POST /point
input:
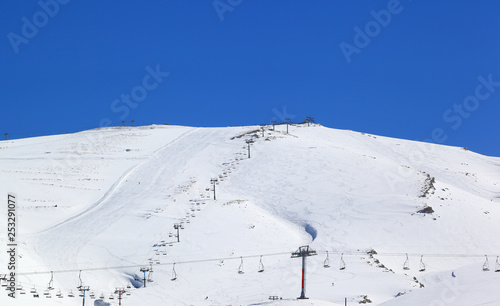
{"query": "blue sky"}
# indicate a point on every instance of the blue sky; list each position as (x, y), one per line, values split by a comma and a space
(417, 70)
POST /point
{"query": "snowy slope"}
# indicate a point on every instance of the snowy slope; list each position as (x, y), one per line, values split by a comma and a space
(104, 202)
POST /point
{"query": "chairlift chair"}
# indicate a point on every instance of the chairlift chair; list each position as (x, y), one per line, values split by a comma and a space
(497, 266)
(111, 297)
(102, 296)
(406, 265)
(51, 282)
(92, 295)
(174, 274)
(70, 294)
(240, 269)
(422, 264)
(261, 265)
(342, 263)
(19, 287)
(326, 263)
(486, 265)
(33, 290)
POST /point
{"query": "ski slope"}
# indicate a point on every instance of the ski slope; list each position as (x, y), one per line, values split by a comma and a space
(96, 206)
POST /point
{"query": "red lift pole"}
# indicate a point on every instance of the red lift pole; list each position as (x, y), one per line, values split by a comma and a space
(303, 252)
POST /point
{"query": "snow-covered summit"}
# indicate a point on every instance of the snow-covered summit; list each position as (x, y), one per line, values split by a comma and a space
(105, 202)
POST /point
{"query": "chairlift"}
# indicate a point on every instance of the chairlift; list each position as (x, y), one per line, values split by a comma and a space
(164, 253)
(111, 297)
(22, 291)
(406, 265)
(261, 265)
(422, 264)
(51, 282)
(497, 266)
(342, 263)
(70, 294)
(240, 269)
(486, 265)
(102, 296)
(33, 290)
(46, 292)
(150, 274)
(92, 295)
(174, 274)
(19, 287)
(326, 263)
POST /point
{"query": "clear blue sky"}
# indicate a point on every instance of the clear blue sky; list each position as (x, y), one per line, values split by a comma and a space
(406, 69)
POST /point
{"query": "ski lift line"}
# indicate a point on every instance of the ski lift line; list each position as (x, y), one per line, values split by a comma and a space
(141, 265)
(252, 256)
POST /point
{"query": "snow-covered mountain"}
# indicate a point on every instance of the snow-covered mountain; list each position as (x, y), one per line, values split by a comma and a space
(97, 206)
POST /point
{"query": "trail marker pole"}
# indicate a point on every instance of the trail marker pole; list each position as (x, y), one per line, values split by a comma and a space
(303, 252)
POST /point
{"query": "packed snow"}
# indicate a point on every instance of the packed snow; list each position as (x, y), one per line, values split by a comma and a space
(393, 222)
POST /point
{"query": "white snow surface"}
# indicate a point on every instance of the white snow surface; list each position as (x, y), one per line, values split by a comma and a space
(105, 201)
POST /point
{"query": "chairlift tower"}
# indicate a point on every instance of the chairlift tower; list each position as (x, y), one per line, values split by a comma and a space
(144, 270)
(120, 291)
(214, 181)
(249, 142)
(287, 121)
(177, 226)
(303, 251)
(273, 122)
(83, 289)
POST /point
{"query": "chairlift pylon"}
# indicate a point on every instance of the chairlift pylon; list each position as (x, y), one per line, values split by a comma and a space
(261, 265)
(240, 269)
(486, 265)
(326, 263)
(174, 274)
(342, 263)
(406, 265)
(422, 264)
